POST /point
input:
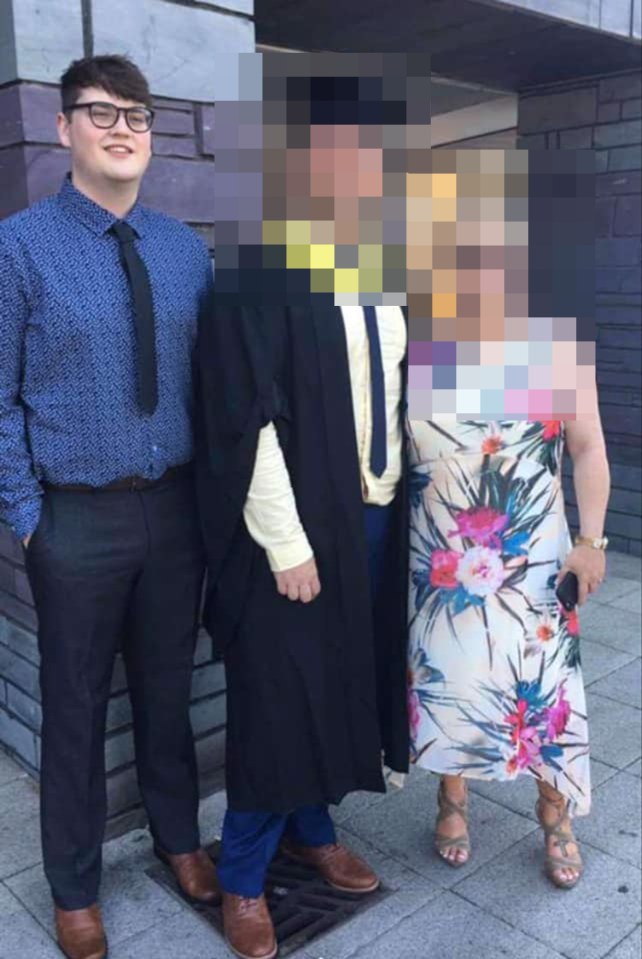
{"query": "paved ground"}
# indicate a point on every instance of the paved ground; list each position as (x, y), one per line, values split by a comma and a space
(500, 905)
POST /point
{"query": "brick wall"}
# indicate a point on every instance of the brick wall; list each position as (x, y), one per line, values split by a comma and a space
(605, 114)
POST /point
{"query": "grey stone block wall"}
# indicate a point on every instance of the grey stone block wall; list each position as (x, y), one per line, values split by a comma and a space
(604, 115)
(189, 52)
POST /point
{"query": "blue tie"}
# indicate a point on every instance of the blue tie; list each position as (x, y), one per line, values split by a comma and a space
(379, 447)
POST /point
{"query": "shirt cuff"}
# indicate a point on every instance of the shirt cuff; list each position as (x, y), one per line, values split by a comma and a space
(24, 519)
(288, 555)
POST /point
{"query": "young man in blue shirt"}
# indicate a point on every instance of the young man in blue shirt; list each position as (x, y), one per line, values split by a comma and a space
(99, 299)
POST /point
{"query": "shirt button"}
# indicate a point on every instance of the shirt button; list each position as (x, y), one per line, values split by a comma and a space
(154, 449)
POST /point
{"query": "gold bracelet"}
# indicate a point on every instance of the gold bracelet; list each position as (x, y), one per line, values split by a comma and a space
(598, 542)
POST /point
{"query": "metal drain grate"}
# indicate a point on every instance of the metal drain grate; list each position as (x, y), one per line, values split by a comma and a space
(303, 907)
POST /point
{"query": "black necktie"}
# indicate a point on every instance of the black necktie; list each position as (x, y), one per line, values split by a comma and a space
(143, 316)
(379, 446)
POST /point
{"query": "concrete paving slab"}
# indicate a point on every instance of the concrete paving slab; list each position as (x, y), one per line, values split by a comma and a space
(182, 936)
(410, 892)
(131, 902)
(614, 588)
(624, 684)
(358, 802)
(615, 732)
(8, 903)
(584, 923)
(21, 936)
(520, 796)
(629, 948)
(402, 827)
(19, 827)
(211, 813)
(619, 629)
(630, 601)
(615, 823)
(354, 804)
(451, 928)
(9, 770)
(623, 565)
(599, 660)
(635, 769)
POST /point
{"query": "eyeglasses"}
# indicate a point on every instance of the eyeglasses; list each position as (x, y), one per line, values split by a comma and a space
(106, 115)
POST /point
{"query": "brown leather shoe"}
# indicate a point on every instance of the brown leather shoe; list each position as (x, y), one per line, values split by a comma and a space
(341, 868)
(80, 933)
(248, 927)
(195, 874)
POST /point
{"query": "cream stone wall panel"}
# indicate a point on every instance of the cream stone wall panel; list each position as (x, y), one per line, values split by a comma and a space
(615, 16)
(46, 37)
(238, 6)
(188, 53)
(8, 65)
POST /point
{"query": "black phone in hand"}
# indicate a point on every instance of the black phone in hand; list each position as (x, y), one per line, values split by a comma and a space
(568, 592)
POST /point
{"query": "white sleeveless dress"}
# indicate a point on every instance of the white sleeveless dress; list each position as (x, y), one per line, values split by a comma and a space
(495, 681)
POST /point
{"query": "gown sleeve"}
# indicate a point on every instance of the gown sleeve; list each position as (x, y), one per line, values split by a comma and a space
(235, 398)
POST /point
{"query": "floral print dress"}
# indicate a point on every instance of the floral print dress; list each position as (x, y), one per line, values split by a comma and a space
(495, 682)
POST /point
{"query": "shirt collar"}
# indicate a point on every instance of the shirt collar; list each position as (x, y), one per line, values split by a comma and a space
(97, 218)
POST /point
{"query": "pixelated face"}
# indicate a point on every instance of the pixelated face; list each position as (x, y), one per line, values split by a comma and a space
(476, 349)
(326, 184)
(117, 154)
(468, 242)
(334, 143)
(341, 165)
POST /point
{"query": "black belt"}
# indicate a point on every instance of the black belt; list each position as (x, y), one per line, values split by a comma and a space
(130, 484)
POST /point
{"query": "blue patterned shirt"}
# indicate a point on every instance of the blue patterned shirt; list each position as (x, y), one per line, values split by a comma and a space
(68, 397)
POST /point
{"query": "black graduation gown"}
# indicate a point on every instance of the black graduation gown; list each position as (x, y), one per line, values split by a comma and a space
(315, 692)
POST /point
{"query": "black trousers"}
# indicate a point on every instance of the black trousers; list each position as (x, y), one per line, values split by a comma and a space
(112, 570)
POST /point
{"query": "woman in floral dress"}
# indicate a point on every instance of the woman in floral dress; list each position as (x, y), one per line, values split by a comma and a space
(496, 686)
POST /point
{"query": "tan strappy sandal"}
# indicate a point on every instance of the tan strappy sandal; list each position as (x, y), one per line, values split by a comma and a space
(563, 837)
(443, 844)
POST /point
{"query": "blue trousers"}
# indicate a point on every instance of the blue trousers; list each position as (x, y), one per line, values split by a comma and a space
(251, 839)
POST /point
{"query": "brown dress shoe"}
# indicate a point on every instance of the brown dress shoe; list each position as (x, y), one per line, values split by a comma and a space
(341, 868)
(195, 874)
(248, 927)
(80, 933)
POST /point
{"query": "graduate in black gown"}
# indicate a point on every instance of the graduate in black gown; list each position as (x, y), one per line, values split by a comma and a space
(315, 655)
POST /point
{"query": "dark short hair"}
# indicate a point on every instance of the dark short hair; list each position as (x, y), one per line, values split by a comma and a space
(341, 100)
(115, 74)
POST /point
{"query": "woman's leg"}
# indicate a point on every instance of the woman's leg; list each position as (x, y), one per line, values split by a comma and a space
(451, 833)
(563, 860)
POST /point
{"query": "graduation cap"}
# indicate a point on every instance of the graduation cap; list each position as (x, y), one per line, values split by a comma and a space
(327, 100)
